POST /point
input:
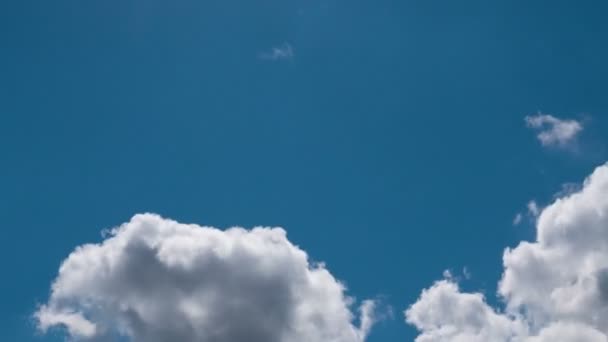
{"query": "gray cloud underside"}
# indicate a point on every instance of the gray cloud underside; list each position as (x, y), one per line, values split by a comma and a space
(156, 280)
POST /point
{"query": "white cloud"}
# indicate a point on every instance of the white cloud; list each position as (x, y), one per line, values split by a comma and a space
(449, 275)
(533, 208)
(569, 332)
(445, 314)
(553, 131)
(554, 288)
(517, 219)
(156, 280)
(284, 51)
(76, 324)
(567, 189)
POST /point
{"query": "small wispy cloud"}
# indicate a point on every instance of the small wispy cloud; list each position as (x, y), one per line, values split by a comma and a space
(282, 52)
(532, 212)
(553, 131)
(567, 190)
(517, 219)
(533, 208)
(465, 274)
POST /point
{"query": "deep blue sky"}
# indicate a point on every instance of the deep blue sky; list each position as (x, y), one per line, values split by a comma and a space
(391, 146)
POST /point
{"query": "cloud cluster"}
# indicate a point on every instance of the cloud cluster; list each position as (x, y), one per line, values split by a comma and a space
(554, 288)
(156, 280)
(553, 131)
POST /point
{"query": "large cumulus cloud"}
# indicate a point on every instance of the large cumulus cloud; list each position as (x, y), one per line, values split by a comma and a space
(156, 280)
(554, 288)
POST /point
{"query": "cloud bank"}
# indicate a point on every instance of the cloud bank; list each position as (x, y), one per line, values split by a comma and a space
(554, 288)
(156, 280)
(553, 131)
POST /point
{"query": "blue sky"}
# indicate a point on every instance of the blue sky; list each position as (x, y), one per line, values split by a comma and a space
(389, 142)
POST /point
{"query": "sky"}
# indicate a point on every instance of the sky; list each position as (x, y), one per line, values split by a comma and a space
(391, 140)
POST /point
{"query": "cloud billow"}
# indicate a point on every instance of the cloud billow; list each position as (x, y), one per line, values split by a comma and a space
(156, 280)
(554, 288)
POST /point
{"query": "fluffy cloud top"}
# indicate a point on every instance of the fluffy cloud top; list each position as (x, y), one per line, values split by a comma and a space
(555, 288)
(156, 280)
(553, 131)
